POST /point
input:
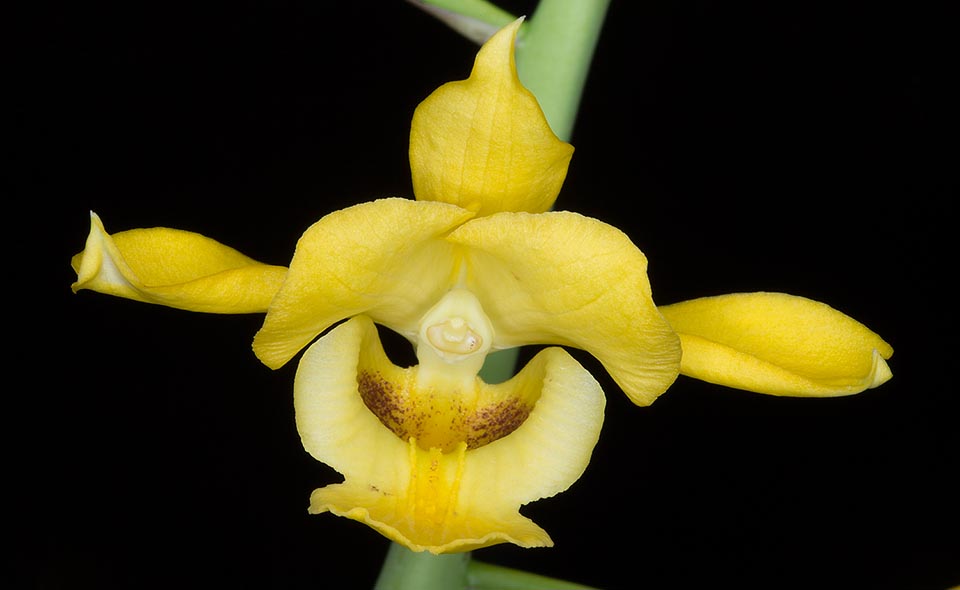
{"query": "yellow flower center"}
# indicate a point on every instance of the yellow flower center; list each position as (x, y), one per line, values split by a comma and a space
(455, 336)
(441, 403)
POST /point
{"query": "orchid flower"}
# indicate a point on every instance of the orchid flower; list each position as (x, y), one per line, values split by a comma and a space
(434, 457)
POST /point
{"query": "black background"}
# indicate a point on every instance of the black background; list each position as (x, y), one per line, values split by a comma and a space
(743, 146)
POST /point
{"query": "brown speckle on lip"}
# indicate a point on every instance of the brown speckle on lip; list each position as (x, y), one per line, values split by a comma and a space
(495, 421)
(436, 421)
(379, 395)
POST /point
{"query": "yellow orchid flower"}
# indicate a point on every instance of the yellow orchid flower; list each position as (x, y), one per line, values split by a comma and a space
(459, 287)
(473, 265)
(433, 457)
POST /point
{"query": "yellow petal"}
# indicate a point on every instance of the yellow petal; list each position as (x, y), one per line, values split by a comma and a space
(483, 143)
(427, 499)
(174, 268)
(334, 424)
(381, 258)
(562, 278)
(552, 448)
(777, 344)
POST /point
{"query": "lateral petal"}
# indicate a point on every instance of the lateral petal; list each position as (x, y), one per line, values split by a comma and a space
(562, 278)
(777, 344)
(381, 258)
(426, 499)
(175, 268)
(483, 143)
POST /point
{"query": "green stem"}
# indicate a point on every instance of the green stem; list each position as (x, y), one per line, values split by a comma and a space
(476, 20)
(480, 10)
(406, 570)
(484, 576)
(500, 365)
(553, 58)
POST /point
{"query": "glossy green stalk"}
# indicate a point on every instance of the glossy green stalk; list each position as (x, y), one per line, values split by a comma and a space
(484, 576)
(554, 55)
(476, 20)
(407, 570)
